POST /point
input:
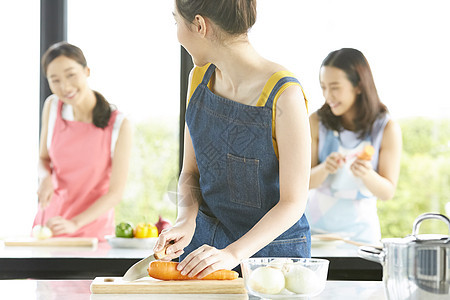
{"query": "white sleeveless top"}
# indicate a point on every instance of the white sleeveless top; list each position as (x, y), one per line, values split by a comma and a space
(67, 114)
(342, 204)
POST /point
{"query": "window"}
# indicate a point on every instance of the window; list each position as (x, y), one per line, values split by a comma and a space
(134, 57)
(19, 124)
(133, 53)
(406, 46)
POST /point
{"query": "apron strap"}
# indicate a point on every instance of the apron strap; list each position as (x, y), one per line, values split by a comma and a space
(208, 74)
(279, 87)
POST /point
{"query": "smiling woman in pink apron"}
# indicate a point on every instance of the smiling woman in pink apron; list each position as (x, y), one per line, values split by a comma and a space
(244, 182)
(84, 150)
(344, 188)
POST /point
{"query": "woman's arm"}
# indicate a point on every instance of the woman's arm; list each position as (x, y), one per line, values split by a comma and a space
(383, 183)
(119, 173)
(320, 172)
(189, 198)
(294, 148)
(188, 186)
(45, 188)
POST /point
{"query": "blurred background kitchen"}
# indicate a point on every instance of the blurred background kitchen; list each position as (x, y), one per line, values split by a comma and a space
(135, 57)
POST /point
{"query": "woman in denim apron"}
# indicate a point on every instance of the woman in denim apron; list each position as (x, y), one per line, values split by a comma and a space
(244, 183)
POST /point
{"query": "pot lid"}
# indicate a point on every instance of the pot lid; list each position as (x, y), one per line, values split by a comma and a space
(429, 239)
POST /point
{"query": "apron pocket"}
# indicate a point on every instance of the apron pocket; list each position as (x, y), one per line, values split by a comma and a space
(243, 180)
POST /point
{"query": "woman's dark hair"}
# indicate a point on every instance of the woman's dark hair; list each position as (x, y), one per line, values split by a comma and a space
(102, 110)
(233, 16)
(368, 104)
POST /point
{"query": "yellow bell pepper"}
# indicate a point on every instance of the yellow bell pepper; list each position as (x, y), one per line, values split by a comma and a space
(145, 230)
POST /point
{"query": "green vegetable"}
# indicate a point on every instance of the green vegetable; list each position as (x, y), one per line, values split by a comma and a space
(124, 230)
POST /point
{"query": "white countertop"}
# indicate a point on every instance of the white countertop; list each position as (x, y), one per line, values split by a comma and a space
(104, 250)
(101, 250)
(80, 290)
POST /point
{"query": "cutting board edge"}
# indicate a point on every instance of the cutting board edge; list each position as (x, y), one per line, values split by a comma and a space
(156, 291)
(98, 286)
(53, 242)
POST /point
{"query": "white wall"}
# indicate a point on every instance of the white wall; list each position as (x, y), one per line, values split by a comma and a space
(19, 121)
(405, 42)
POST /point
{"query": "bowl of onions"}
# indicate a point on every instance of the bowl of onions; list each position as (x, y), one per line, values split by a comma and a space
(280, 277)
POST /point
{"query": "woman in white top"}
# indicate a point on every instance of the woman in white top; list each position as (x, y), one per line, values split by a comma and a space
(344, 189)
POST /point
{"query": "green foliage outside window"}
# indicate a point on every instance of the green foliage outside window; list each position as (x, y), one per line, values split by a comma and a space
(423, 186)
(153, 174)
(424, 182)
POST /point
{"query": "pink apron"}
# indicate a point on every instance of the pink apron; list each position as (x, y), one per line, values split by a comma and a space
(81, 160)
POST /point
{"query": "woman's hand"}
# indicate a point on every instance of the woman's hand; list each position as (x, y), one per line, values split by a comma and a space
(333, 162)
(205, 260)
(58, 225)
(361, 168)
(180, 235)
(45, 191)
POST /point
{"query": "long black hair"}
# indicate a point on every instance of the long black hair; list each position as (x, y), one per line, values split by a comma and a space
(368, 104)
(102, 110)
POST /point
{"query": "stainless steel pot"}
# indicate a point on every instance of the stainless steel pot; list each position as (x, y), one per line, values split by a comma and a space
(417, 266)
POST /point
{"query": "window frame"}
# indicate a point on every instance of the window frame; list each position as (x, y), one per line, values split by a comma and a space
(53, 29)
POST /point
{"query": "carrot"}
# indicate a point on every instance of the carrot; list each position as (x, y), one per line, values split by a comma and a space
(367, 153)
(167, 270)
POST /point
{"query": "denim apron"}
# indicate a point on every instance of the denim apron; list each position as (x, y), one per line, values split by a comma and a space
(239, 172)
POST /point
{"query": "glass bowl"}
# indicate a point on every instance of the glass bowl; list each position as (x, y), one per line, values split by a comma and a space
(281, 277)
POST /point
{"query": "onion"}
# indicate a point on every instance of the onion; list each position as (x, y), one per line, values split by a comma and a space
(266, 280)
(162, 224)
(280, 263)
(301, 280)
(41, 233)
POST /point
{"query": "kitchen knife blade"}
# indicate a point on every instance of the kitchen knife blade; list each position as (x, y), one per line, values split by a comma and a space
(139, 269)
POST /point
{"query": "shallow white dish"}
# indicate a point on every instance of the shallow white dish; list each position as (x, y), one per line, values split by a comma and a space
(117, 242)
(319, 243)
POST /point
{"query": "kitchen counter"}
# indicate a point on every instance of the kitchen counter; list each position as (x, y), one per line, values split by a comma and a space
(100, 250)
(102, 260)
(67, 262)
(80, 290)
(345, 264)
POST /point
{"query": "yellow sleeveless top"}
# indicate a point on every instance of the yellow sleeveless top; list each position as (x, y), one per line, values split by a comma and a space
(199, 72)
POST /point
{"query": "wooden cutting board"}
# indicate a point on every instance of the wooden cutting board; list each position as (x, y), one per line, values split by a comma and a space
(53, 242)
(148, 285)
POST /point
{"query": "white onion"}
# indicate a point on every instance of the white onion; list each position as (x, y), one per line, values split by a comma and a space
(280, 263)
(301, 280)
(267, 280)
(41, 233)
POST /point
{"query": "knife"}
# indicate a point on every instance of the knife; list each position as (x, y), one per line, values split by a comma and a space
(139, 269)
(42, 218)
